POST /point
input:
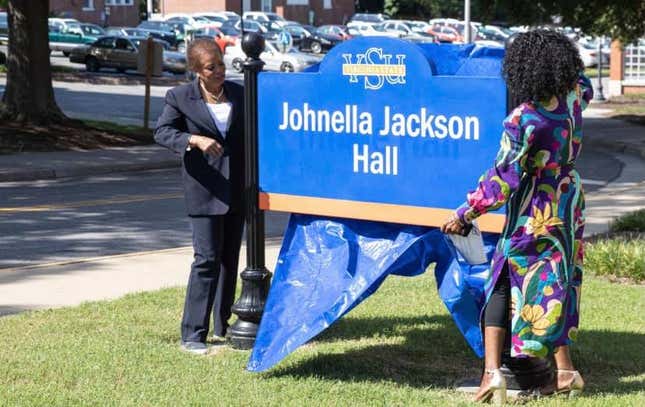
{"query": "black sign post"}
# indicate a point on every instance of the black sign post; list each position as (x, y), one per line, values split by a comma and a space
(255, 277)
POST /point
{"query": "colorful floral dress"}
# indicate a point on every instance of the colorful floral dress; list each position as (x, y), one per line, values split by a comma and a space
(541, 243)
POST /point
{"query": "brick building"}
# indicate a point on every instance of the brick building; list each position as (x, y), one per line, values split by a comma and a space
(101, 12)
(627, 68)
(317, 12)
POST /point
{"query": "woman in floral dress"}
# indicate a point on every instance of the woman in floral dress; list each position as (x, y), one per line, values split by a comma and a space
(536, 271)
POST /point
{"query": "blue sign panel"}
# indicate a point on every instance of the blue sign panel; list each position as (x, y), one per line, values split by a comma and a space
(382, 126)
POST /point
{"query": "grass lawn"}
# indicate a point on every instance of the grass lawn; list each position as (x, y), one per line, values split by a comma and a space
(592, 73)
(398, 348)
(629, 107)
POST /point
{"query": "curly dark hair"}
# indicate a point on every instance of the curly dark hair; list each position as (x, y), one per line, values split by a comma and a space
(540, 64)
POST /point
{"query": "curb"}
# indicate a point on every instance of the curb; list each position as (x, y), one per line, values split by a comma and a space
(35, 174)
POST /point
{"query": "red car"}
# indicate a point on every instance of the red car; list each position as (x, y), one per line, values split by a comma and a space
(217, 35)
(444, 33)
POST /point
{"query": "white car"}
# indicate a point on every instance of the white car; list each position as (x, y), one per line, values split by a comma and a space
(188, 20)
(290, 61)
(589, 55)
(443, 21)
(216, 19)
(264, 17)
(419, 26)
(405, 29)
(361, 28)
(69, 25)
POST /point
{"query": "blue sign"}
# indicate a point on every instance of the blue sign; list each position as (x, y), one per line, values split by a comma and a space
(383, 130)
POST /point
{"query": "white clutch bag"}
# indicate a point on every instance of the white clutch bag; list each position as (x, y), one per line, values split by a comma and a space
(470, 247)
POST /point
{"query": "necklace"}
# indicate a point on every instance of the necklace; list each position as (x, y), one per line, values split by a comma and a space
(217, 97)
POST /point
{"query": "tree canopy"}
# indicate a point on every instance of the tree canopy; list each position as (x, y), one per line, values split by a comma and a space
(624, 20)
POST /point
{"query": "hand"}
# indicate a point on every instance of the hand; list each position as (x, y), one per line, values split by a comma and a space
(453, 226)
(207, 145)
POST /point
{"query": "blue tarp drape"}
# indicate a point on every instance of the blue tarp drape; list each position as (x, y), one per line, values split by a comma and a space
(327, 266)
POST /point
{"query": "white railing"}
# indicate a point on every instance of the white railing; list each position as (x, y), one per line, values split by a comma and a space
(635, 62)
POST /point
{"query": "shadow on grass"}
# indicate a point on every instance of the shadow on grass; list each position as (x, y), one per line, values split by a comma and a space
(13, 309)
(434, 354)
(610, 361)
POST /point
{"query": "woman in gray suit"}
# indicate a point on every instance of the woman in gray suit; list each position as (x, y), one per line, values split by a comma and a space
(203, 121)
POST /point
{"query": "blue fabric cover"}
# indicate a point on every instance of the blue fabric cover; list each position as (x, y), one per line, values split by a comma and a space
(459, 60)
(326, 267)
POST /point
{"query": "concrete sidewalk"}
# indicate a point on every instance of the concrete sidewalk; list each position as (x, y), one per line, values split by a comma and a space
(71, 283)
(64, 164)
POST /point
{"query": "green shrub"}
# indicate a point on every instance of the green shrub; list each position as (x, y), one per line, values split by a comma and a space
(631, 222)
(617, 257)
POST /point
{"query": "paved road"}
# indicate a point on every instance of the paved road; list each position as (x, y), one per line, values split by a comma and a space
(78, 218)
(97, 216)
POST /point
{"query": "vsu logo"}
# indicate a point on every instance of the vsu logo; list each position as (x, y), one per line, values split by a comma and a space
(376, 67)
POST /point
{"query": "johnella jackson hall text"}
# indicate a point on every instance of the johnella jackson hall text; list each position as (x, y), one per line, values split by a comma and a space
(351, 121)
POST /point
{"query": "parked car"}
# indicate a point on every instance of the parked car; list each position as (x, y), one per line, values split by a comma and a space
(264, 17)
(163, 36)
(170, 31)
(122, 54)
(140, 32)
(324, 38)
(257, 27)
(290, 61)
(421, 28)
(223, 16)
(361, 28)
(231, 15)
(214, 19)
(230, 30)
(444, 33)
(298, 33)
(589, 55)
(214, 33)
(64, 24)
(399, 27)
(443, 21)
(369, 18)
(68, 37)
(492, 33)
(193, 22)
(92, 30)
(4, 27)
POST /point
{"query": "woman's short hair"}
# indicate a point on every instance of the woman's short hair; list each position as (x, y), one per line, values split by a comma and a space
(540, 64)
(198, 47)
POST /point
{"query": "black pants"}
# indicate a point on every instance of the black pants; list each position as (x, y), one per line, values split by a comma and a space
(497, 309)
(213, 275)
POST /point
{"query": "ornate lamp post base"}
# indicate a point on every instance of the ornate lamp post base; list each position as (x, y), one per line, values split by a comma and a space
(249, 308)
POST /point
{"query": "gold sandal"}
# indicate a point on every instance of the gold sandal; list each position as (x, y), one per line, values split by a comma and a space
(496, 388)
(574, 389)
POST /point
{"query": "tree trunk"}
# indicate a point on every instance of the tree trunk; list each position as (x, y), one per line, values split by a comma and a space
(29, 96)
